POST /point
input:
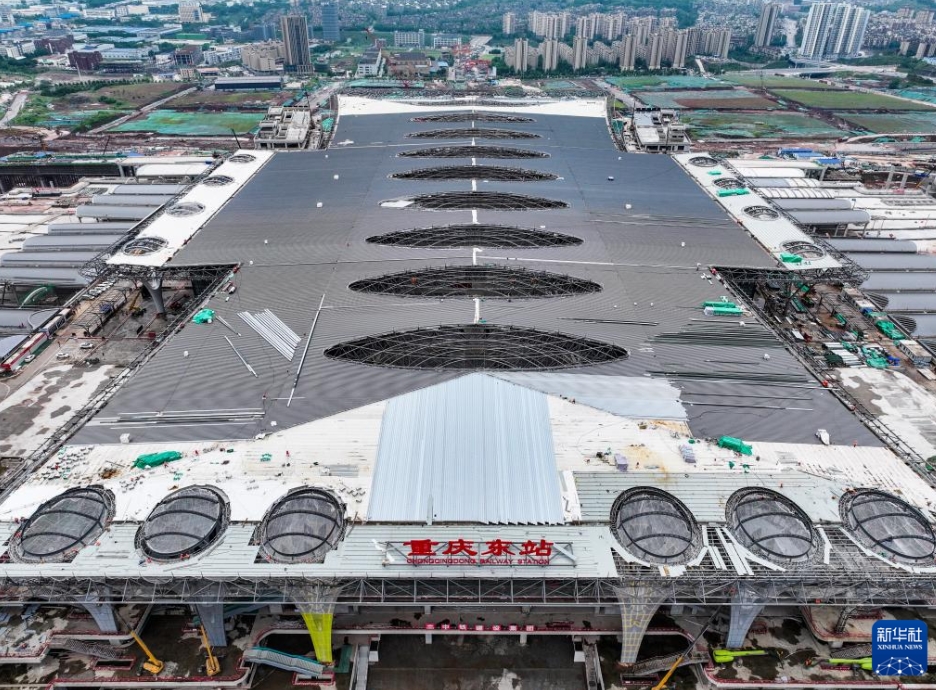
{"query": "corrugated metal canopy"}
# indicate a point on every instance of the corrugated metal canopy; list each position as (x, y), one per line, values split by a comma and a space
(65, 277)
(40, 259)
(895, 262)
(120, 212)
(814, 204)
(900, 281)
(910, 301)
(875, 246)
(89, 228)
(51, 243)
(158, 189)
(131, 199)
(476, 449)
(830, 217)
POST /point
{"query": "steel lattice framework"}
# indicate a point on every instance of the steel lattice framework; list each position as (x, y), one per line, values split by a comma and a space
(472, 133)
(477, 347)
(498, 282)
(472, 152)
(469, 235)
(472, 117)
(475, 172)
(489, 201)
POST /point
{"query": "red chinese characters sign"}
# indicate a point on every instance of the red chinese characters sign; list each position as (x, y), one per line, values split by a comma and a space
(489, 552)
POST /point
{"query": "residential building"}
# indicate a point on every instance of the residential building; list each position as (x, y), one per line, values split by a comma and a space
(833, 30)
(296, 56)
(445, 41)
(331, 27)
(409, 39)
(627, 52)
(549, 52)
(508, 23)
(680, 49)
(767, 24)
(191, 13)
(521, 55)
(579, 52)
(371, 63)
(262, 57)
(654, 51)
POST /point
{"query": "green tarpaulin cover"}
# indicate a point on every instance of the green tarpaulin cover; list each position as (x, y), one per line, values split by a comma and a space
(203, 316)
(156, 459)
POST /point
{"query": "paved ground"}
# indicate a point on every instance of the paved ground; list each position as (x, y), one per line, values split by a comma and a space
(478, 663)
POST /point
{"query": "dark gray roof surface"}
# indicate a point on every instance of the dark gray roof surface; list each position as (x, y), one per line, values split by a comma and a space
(874, 246)
(51, 243)
(895, 262)
(65, 277)
(650, 301)
(915, 280)
(89, 228)
(834, 217)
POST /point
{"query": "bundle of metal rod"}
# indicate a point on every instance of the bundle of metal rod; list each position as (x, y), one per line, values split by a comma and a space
(269, 327)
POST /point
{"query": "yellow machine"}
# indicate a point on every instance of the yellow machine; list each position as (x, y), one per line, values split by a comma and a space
(212, 665)
(152, 664)
(726, 656)
(672, 669)
(864, 663)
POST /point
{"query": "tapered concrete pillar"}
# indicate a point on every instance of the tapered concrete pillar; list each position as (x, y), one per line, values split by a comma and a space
(638, 605)
(153, 288)
(744, 609)
(103, 615)
(212, 618)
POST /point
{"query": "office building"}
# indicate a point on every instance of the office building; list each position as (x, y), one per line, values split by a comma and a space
(331, 27)
(295, 30)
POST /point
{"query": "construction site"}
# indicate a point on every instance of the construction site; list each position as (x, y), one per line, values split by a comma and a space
(471, 397)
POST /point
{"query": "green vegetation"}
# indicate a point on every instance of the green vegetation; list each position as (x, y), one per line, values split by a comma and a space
(712, 125)
(192, 124)
(26, 65)
(775, 82)
(35, 111)
(846, 100)
(915, 123)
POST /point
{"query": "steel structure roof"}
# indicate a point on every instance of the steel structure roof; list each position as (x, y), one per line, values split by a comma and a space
(299, 229)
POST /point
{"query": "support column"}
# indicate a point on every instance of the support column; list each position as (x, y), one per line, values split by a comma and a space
(637, 608)
(317, 606)
(744, 609)
(103, 615)
(212, 618)
(153, 287)
(844, 615)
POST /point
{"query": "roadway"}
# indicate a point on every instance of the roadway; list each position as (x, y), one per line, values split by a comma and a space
(145, 109)
(19, 100)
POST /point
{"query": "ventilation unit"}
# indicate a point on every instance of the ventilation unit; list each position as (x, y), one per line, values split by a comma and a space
(184, 523)
(703, 162)
(242, 158)
(217, 181)
(184, 209)
(888, 526)
(141, 246)
(761, 213)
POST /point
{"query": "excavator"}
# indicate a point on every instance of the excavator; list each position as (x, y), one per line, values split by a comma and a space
(212, 665)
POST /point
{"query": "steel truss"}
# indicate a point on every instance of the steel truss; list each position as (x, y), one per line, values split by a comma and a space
(689, 589)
